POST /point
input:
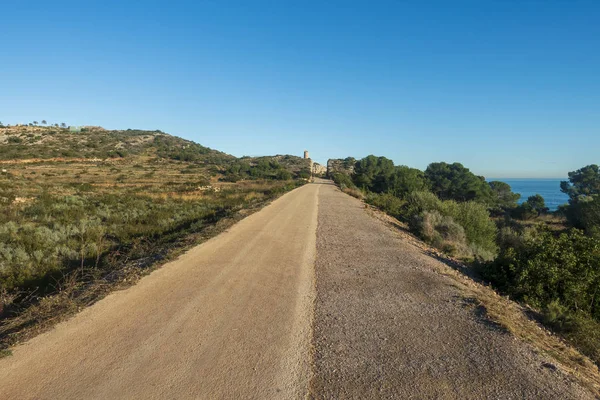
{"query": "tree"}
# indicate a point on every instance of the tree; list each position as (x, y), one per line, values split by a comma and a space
(583, 182)
(405, 180)
(533, 207)
(537, 203)
(63, 125)
(44, 122)
(583, 188)
(585, 214)
(455, 182)
(503, 196)
(35, 122)
(372, 173)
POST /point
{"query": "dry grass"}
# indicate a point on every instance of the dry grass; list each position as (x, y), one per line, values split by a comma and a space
(354, 192)
(133, 176)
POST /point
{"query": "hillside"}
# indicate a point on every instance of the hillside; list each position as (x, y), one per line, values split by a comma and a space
(32, 142)
(83, 212)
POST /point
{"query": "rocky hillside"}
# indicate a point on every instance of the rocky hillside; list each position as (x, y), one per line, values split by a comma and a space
(34, 142)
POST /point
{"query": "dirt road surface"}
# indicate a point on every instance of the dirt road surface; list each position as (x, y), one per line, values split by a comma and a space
(387, 325)
(232, 319)
(229, 319)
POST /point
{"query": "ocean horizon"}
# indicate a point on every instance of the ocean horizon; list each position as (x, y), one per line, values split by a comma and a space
(548, 188)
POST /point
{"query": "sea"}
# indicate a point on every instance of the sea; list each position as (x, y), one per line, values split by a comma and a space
(548, 188)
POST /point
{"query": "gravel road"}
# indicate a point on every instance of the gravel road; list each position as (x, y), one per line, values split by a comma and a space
(388, 326)
(232, 319)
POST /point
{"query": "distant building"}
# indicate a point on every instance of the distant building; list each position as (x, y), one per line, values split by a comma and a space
(306, 157)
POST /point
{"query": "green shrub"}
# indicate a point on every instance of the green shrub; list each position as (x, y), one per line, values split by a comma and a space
(343, 180)
(546, 269)
(474, 218)
(388, 203)
(419, 202)
(442, 232)
(480, 230)
(585, 214)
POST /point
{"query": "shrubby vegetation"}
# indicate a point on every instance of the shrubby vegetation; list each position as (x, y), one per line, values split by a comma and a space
(583, 188)
(455, 182)
(544, 268)
(275, 167)
(533, 207)
(555, 268)
(85, 223)
(438, 222)
(264, 169)
(95, 142)
(451, 219)
(57, 234)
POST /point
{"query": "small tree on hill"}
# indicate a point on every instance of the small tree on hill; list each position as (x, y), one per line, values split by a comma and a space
(35, 122)
(44, 122)
(583, 182)
(503, 196)
(533, 207)
(63, 125)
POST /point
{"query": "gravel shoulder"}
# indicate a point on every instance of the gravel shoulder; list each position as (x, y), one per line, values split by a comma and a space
(387, 324)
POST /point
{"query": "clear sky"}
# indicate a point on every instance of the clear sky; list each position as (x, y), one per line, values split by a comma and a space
(508, 88)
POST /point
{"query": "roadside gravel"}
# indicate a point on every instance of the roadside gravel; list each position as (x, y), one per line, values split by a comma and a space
(388, 325)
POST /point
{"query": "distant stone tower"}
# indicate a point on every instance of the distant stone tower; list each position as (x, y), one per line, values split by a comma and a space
(306, 157)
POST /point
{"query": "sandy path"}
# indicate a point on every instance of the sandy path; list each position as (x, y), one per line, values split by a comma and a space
(389, 326)
(229, 319)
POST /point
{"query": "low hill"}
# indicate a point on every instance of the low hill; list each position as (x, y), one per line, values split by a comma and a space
(27, 142)
(83, 212)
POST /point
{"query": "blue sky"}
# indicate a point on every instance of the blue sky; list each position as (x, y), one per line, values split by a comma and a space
(508, 88)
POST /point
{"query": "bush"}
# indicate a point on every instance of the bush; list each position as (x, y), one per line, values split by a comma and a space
(546, 269)
(419, 202)
(388, 203)
(532, 208)
(442, 232)
(14, 139)
(343, 180)
(479, 229)
(57, 234)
